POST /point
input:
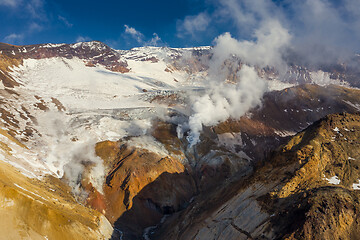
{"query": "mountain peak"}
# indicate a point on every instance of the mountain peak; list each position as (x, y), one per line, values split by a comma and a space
(91, 44)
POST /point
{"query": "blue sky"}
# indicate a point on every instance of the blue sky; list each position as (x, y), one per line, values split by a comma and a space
(57, 21)
(179, 23)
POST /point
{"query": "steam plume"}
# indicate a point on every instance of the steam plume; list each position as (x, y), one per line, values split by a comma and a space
(224, 100)
(67, 157)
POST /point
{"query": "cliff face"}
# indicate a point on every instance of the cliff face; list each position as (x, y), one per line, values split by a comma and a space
(308, 189)
(144, 184)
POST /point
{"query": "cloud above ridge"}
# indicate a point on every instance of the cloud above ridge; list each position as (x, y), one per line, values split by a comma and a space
(193, 25)
(140, 37)
(322, 30)
(10, 3)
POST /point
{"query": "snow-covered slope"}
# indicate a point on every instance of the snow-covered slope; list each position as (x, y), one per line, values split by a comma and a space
(94, 102)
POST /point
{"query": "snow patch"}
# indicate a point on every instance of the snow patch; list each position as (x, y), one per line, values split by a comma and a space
(51, 45)
(148, 143)
(333, 180)
(284, 133)
(354, 105)
(356, 186)
(6, 202)
(277, 85)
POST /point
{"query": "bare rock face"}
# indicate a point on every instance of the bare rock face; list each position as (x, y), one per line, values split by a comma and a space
(142, 186)
(307, 190)
(92, 52)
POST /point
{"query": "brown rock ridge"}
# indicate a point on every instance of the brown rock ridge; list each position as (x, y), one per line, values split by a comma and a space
(93, 53)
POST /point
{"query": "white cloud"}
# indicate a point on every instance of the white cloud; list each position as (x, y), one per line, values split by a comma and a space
(247, 13)
(14, 38)
(10, 3)
(35, 9)
(32, 8)
(34, 27)
(65, 21)
(138, 36)
(83, 39)
(34, 15)
(154, 41)
(141, 39)
(193, 25)
(324, 31)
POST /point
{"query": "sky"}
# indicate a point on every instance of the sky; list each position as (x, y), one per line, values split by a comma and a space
(121, 24)
(334, 24)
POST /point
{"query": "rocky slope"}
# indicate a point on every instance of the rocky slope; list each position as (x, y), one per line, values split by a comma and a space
(34, 209)
(222, 156)
(308, 189)
(283, 114)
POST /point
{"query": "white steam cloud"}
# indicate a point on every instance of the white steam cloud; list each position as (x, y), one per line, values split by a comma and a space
(67, 145)
(224, 99)
(68, 152)
(270, 40)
